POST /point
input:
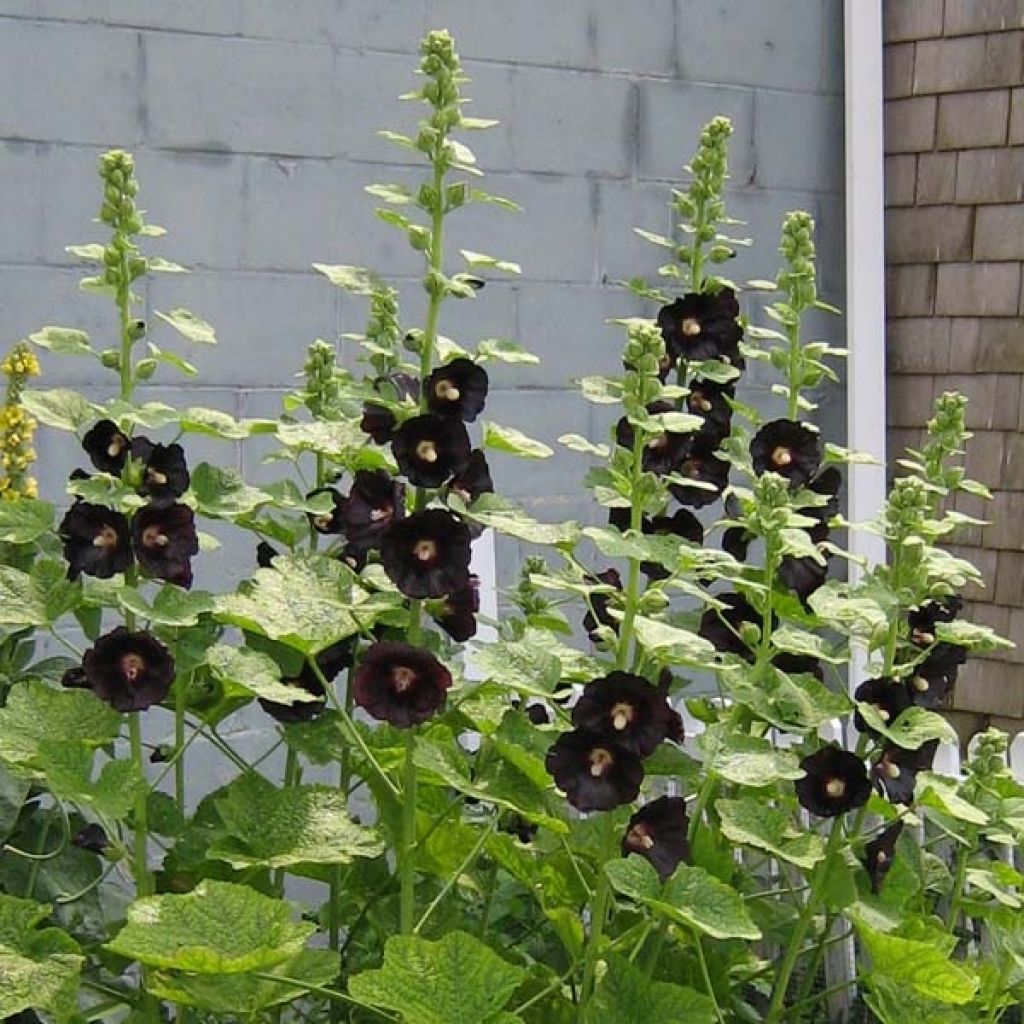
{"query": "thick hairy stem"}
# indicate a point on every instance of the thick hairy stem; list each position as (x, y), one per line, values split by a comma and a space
(406, 863)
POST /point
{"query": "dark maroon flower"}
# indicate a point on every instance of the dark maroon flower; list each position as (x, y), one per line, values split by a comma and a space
(331, 660)
(107, 446)
(538, 714)
(329, 522)
(880, 853)
(378, 420)
(790, 449)
(710, 401)
(723, 628)
(474, 479)
(798, 665)
(922, 620)
(165, 540)
(934, 677)
(96, 541)
(91, 838)
(835, 782)
(165, 476)
(658, 833)
(888, 697)
(736, 541)
(597, 613)
(803, 575)
(709, 475)
(458, 611)
(698, 327)
(627, 708)
(896, 770)
(427, 554)
(827, 483)
(430, 449)
(400, 684)
(593, 771)
(265, 555)
(130, 671)
(682, 523)
(458, 389)
(375, 501)
(664, 451)
(75, 678)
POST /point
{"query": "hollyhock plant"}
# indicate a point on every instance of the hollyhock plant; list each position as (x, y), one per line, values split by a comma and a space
(131, 671)
(401, 684)
(427, 554)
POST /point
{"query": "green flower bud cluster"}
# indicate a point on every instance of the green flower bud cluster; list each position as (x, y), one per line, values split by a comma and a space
(17, 428)
(909, 504)
(798, 278)
(989, 758)
(122, 263)
(710, 165)
(322, 392)
(947, 435)
(644, 355)
(441, 65)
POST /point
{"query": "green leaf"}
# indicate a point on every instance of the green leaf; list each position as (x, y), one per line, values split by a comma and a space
(24, 520)
(503, 351)
(479, 259)
(747, 760)
(189, 326)
(13, 793)
(248, 672)
(278, 828)
(59, 407)
(519, 666)
(798, 703)
(941, 793)
(457, 980)
(681, 645)
(920, 966)
(21, 603)
(506, 517)
(218, 928)
(173, 606)
(66, 341)
(351, 279)
(221, 493)
(601, 390)
(799, 641)
(508, 439)
(93, 251)
(895, 1003)
(214, 423)
(752, 822)
(914, 726)
(68, 767)
(972, 635)
(171, 359)
(691, 897)
(578, 443)
(329, 437)
(157, 264)
(400, 195)
(627, 995)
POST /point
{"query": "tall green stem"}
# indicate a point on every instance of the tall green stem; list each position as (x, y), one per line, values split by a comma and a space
(406, 862)
(598, 917)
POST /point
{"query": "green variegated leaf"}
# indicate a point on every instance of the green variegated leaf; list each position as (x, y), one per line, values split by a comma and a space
(506, 517)
(753, 822)
(221, 493)
(63, 340)
(747, 760)
(577, 443)
(214, 423)
(23, 520)
(682, 645)
(351, 279)
(479, 259)
(59, 407)
(329, 437)
(914, 726)
(627, 995)
(245, 672)
(515, 442)
(504, 351)
(191, 327)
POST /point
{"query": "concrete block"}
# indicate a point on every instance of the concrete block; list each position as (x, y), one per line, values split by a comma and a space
(573, 122)
(671, 117)
(969, 120)
(353, 24)
(194, 16)
(830, 239)
(977, 289)
(778, 45)
(1000, 345)
(573, 35)
(969, 62)
(910, 124)
(240, 95)
(909, 399)
(898, 70)
(936, 178)
(931, 234)
(621, 207)
(999, 233)
(909, 290)
(911, 19)
(21, 201)
(917, 345)
(799, 141)
(901, 179)
(967, 17)
(73, 83)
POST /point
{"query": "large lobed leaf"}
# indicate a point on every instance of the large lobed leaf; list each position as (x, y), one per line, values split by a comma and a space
(752, 822)
(627, 995)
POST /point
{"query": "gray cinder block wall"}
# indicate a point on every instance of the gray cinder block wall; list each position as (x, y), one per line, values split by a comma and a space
(254, 126)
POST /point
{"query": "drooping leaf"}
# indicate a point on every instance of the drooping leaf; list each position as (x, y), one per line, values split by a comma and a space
(63, 340)
(515, 442)
(479, 259)
(59, 407)
(68, 767)
(682, 645)
(351, 279)
(221, 493)
(504, 351)
(191, 327)
(215, 423)
(506, 517)
(244, 671)
(753, 822)
(914, 726)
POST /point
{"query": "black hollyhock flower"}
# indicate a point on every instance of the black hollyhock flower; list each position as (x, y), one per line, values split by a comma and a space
(400, 684)
(165, 476)
(378, 420)
(698, 327)
(922, 620)
(331, 660)
(265, 555)
(888, 698)
(597, 613)
(627, 708)
(457, 389)
(430, 449)
(879, 854)
(96, 541)
(723, 629)
(827, 483)
(682, 523)
(593, 771)
(75, 679)
(803, 575)
(165, 540)
(474, 479)
(709, 400)
(787, 448)
(107, 446)
(836, 782)
(798, 665)
(92, 838)
(663, 452)
(736, 541)
(538, 714)
(329, 522)
(375, 501)
(658, 832)
(702, 466)
(934, 677)
(458, 617)
(130, 671)
(896, 770)
(427, 554)
(355, 558)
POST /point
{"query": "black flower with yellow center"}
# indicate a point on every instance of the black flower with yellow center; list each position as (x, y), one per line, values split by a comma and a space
(698, 327)
(457, 389)
(598, 604)
(788, 448)
(923, 619)
(400, 684)
(331, 660)
(329, 522)
(835, 782)
(430, 449)
(896, 769)
(880, 853)
(130, 671)
(456, 613)
(165, 476)
(704, 475)
(165, 540)
(375, 501)
(107, 446)
(626, 707)
(682, 523)
(888, 697)
(933, 678)
(658, 833)
(427, 554)
(96, 541)
(594, 772)
(723, 628)
(663, 452)
(710, 401)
